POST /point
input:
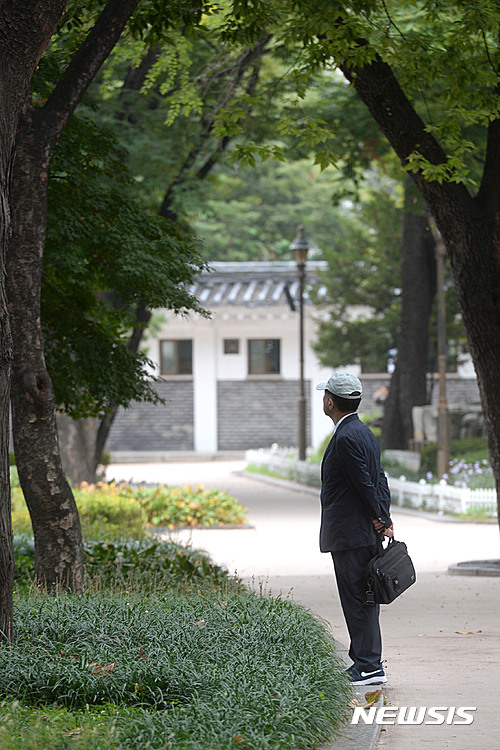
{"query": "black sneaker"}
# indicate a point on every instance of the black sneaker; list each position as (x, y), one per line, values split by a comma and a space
(377, 677)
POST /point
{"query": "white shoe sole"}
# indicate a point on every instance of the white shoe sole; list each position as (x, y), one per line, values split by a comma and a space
(370, 681)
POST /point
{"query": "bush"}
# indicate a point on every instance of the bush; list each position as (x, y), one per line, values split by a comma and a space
(471, 450)
(151, 565)
(189, 506)
(132, 564)
(107, 511)
(24, 556)
(189, 673)
(114, 511)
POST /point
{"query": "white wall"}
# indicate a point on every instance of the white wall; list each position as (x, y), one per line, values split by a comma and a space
(211, 364)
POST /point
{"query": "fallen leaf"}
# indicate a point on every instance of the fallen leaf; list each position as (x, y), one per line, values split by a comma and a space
(238, 738)
(104, 669)
(201, 623)
(464, 632)
(141, 653)
(373, 696)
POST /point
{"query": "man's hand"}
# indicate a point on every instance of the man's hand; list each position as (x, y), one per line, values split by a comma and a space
(379, 526)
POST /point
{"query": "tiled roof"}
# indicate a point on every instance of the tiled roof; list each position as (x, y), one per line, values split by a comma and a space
(254, 284)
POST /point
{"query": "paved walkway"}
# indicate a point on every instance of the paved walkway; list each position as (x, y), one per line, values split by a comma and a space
(441, 639)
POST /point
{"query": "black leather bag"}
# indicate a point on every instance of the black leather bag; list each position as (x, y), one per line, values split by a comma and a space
(389, 573)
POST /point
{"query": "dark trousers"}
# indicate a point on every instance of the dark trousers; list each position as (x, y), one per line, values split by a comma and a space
(362, 622)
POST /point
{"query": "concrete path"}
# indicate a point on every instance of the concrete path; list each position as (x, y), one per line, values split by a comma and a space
(441, 638)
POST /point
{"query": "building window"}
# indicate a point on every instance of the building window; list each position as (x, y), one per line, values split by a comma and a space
(264, 357)
(176, 357)
(231, 346)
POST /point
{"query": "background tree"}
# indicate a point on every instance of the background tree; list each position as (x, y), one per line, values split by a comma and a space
(363, 296)
(104, 255)
(392, 58)
(89, 33)
(24, 32)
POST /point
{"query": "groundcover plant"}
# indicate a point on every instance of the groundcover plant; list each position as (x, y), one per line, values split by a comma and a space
(212, 670)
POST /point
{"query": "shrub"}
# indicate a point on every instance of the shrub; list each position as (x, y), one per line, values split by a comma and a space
(113, 511)
(151, 565)
(471, 450)
(24, 556)
(189, 506)
(108, 511)
(132, 564)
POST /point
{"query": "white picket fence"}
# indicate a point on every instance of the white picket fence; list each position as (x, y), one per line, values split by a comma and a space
(441, 497)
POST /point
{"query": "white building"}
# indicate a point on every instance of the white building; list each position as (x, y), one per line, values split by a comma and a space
(231, 382)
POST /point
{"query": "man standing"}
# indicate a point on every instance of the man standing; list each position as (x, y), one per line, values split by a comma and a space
(355, 507)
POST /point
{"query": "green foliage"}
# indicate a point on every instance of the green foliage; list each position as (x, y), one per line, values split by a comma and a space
(125, 564)
(444, 55)
(54, 728)
(150, 565)
(206, 672)
(470, 450)
(107, 513)
(104, 255)
(113, 511)
(24, 556)
(363, 271)
(189, 506)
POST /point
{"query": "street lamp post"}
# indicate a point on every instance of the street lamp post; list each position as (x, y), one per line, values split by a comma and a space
(300, 248)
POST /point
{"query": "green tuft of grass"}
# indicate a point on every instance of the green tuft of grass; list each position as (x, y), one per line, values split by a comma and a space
(175, 671)
(146, 565)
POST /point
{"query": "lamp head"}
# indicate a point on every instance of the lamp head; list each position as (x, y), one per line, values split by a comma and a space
(300, 247)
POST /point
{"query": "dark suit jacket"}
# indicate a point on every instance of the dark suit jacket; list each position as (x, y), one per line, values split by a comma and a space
(353, 488)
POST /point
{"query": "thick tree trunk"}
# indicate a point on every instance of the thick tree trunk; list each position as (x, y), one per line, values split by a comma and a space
(77, 439)
(474, 254)
(25, 29)
(418, 283)
(6, 540)
(470, 228)
(56, 525)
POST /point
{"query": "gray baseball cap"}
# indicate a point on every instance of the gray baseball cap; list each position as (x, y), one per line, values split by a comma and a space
(343, 384)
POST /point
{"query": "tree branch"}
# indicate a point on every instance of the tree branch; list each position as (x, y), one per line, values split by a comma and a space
(83, 67)
(395, 115)
(250, 57)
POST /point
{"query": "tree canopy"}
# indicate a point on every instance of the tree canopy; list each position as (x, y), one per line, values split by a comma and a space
(104, 255)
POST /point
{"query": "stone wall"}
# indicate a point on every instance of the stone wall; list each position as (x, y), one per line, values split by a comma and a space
(458, 390)
(251, 414)
(157, 427)
(258, 413)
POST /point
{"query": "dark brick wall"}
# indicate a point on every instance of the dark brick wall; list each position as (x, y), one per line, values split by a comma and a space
(251, 414)
(458, 391)
(157, 427)
(258, 413)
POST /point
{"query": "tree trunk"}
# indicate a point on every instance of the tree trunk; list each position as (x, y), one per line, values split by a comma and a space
(473, 251)
(56, 525)
(77, 439)
(470, 228)
(6, 540)
(25, 29)
(418, 283)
